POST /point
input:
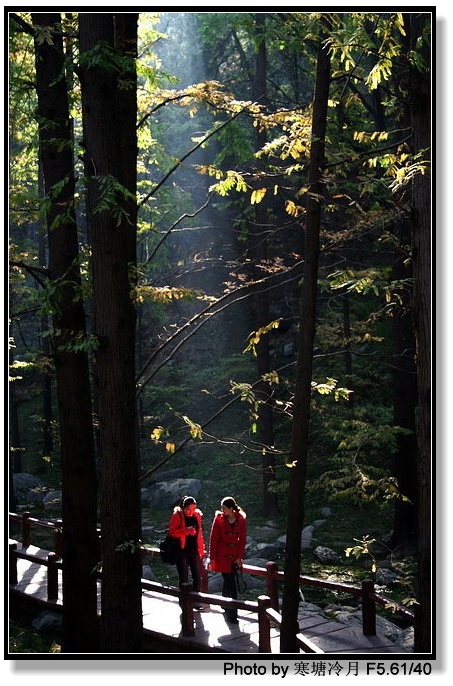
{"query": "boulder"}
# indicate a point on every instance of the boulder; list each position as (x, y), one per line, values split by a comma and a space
(327, 555)
(52, 501)
(266, 551)
(28, 488)
(166, 494)
(385, 576)
(306, 538)
(167, 475)
(48, 623)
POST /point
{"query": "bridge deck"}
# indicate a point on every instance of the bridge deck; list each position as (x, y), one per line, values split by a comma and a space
(161, 620)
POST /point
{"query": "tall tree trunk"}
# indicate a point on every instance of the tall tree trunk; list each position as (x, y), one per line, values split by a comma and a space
(404, 395)
(47, 435)
(80, 626)
(403, 364)
(302, 396)
(420, 96)
(109, 113)
(261, 299)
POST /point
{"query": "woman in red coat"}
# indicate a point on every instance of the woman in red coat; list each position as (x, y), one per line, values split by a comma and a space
(227, 547)
(186, 525)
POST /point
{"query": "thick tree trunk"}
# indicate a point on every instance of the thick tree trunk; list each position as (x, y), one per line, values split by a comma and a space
(80, 626)
(109, 112)
(261, 299)
(420, 90)
(302, 397)
(404, 406)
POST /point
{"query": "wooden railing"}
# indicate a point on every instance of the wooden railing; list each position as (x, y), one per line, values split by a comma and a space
(27, 522)
(266, 606)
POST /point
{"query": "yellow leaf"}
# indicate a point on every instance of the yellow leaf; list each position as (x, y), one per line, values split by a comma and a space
(257, 196)
(157, 433)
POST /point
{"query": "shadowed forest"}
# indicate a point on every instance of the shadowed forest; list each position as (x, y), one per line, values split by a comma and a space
(220, 264)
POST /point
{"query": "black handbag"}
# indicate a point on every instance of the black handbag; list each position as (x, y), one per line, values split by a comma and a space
(169, 550)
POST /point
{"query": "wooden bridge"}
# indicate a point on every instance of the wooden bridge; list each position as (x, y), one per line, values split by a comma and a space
(171, 620)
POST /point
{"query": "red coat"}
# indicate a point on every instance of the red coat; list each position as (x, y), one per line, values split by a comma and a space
(177, 528)
(227, 542)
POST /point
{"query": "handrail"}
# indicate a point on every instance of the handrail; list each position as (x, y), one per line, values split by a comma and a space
(271, 573)
(51, 561)
(27, 522)
(304, 643)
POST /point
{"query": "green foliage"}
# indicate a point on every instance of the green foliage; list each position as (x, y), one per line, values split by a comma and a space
(112, 198)
(363, 548)
(72, 341)
(357, 485)
(23, 639)
(330, 386)
(104, 56)
(129, 547)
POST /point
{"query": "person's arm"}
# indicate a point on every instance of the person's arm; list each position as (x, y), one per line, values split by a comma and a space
(242, 542)
(200, 542)
(175, 529)
(214, 540)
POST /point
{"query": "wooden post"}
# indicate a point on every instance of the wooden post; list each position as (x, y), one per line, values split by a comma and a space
(204, 579)
(272, 583)
(26, 530)
(12, 564)
(187, 610)
(52, 577)
(264, 625)
(368, 608)
(58, 540)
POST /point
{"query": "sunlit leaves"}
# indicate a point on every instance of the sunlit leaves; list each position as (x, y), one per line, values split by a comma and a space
(163, 294)
(232, 181)
(365, 137)
(156, 433)
(363, 548)
(195, 429)
(271, 378)
(257, 196)
(16, 367)
(255, 336)
(292, 209)
(330, 386)
(360, 282)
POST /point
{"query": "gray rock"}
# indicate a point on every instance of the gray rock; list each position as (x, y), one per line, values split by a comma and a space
(28, 488)
(327, 555)
(265, 551)
(385, 576)
(167, 475)
(48, 623)
(164, 495)
(52, 501)
(307, 536)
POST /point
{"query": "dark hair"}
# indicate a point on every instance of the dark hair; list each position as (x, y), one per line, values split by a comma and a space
(230, 502)
(187, 500)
